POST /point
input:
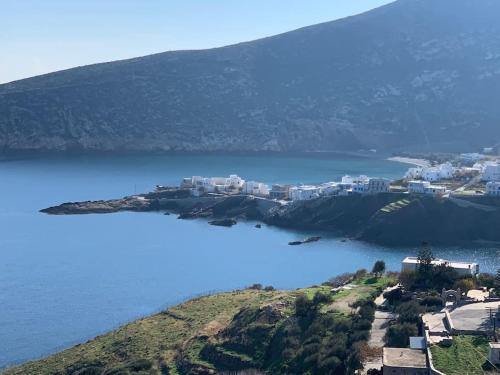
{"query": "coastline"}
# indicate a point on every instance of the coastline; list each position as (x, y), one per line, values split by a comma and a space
(412, 161)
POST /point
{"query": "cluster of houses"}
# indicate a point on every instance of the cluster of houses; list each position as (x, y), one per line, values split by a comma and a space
(234, 184)
(421, 180)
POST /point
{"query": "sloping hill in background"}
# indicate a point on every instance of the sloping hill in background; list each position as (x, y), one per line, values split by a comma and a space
(415, 74)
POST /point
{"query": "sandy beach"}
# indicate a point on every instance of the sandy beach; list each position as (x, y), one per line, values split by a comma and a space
(413, 161)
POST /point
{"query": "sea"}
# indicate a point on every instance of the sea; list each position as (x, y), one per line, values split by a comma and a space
(66, 279)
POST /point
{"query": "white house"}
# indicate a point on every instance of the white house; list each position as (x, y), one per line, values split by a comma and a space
(414, 173)
(418, 187)
(446, 170)
(493, 188)
(371, 186)
(435, 190)
(304, 192)
(255, 188)
(461, 268)
(425, 187)
(353, 180)
(378, 185)
(329, 188)
(235, 181)
(491, 172)
(431, 174)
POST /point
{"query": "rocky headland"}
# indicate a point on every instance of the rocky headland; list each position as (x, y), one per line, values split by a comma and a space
(389, 219)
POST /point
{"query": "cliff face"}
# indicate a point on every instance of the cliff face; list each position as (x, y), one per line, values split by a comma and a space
(396, 219)
(415, 74)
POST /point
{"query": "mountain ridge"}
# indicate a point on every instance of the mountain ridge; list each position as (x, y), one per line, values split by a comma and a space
(411, 75)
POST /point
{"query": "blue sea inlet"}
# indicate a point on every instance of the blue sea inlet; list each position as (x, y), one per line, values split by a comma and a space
(65, 279)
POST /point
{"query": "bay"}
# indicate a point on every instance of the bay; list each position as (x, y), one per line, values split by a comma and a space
(66, 279)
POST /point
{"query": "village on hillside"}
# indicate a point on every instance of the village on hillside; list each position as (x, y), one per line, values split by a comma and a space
(468, 175)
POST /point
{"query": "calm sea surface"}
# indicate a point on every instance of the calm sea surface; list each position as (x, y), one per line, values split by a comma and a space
(65, 279)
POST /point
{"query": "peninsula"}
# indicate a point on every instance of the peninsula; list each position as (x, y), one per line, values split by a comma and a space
(453, 203)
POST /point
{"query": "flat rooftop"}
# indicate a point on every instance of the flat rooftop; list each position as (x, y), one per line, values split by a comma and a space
(402, 357)
(438, 262)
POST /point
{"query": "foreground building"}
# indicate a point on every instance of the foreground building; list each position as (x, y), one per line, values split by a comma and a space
(403, 361)
(461, 268)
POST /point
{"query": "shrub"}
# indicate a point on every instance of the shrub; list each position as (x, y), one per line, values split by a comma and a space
(360, 273)
(378, 267)
(486, 280)
(340, 280)
(255, 286)
(398, 335)
(464, 285)
(303, 306)
(409, 312)
(394, 295)
(269, 288)
(321, 298)
(432, 301)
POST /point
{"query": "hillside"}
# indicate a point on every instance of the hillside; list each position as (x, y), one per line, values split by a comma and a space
(412, 75)
(301, 331)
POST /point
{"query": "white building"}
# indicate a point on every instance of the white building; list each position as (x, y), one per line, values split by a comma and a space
(200, 185)
(304, 192)
(493, 188)
(234, 181)
(329, 188)
(378, 185)
(371, 186)
(414, 173)
(354, 180)
(461, 268)
(425, 187)
(491, 172)
(255, 188)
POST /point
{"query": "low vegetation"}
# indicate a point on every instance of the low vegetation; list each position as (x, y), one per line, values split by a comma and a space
(306, 331)
(467, 355)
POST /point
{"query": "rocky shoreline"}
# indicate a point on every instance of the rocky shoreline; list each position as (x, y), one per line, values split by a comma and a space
(389, 219)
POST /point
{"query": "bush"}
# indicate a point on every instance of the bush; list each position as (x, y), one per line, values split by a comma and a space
(321, 298)
(398, 335)
(303, 306)
(360, 273)
(269, 288)
(409, 312)
(432, 301)
(394, 295)
(464, 285)
(255, 286)
(486, 280)
(340, 280)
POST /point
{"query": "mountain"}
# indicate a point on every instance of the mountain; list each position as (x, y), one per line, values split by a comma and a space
(414, 75)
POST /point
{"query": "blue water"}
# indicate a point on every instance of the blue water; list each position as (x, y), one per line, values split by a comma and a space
(65, 279)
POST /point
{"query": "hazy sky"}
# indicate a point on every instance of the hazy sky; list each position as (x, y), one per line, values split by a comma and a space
(41, 36)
